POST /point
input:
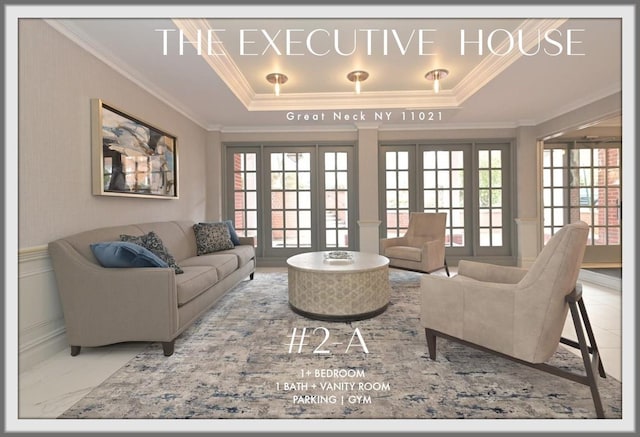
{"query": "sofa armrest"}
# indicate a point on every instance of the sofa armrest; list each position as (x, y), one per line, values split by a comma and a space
(250, 241)
(109, 305)
(491, 272)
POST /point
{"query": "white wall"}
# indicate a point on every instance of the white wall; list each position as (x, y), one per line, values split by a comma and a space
(57, 80)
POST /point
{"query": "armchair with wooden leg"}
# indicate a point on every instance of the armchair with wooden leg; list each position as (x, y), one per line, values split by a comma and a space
(422, 247)
(516, 313)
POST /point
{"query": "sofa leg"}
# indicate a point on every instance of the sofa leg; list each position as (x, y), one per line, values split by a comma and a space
(446, 267)
(251, 276)
(431, 343)
(75, 350)
(168, 347)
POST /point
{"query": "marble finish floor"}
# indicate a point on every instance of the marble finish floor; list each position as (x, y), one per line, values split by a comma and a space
(50, 387)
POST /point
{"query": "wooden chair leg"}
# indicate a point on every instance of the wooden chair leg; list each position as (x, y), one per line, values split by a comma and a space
(446, 267)
(168, 347)
(592, 340)
(431, 343)
(586, 358)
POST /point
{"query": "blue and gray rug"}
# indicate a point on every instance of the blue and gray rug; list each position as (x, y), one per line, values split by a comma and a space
(248, 358)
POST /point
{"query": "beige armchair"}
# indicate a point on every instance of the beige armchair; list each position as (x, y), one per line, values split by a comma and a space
(422, 246)
(516, 313)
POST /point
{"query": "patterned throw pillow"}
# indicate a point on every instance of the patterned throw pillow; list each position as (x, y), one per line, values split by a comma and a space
(152, 242)
(212, 237)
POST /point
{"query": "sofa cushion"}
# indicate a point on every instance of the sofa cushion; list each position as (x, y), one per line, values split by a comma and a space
(125, 254)
(152, 242)
(224, 263)
(212, 237)
(404, 252)
(195, 281)
(245, 253)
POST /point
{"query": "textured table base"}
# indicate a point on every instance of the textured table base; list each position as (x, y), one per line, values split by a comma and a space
(339, 296)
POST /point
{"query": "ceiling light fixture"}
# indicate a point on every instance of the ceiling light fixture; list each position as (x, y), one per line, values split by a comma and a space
(357, 77)
(277, 79)
(436, 76)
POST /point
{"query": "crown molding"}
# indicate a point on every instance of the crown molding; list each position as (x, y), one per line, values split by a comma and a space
(222, 64)
(492, 66)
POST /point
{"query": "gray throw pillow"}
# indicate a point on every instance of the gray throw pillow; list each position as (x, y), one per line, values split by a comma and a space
(212, 237)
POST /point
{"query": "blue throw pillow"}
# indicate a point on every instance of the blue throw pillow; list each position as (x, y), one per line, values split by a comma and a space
(232, 233)
(125, 254)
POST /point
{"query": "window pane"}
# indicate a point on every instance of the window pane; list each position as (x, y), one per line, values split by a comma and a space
(485, 237)
(343, 199)
(403, 179)
(483, 159)
(276, 181)
(496, 198)
(330, 200)
(457, 218)
(483, 178)
(305, 238)
(251, 181)
(250, 161)
(331, 238)
(391, 180)
(342, 180)
(430, 199)
(252, 200)
(304, 218)
(391, 160)
(392, 200)
(403, 199)
(304, 180)
(329, 161)
(429, 160)
(457, 198)
(276, 161)
(496, 178)
(330, 181)
(291, 200)
(559, 158)
(305, 200)
(496, 236)
(457, 159)
(443, 179)
(485, 220)
(403, 160)
(342, 161)
(291, 219)
(430, 179)
(457, 178)
(290, 181)
(443, 159)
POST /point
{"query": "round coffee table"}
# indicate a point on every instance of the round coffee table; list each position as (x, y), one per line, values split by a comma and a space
(338, 289)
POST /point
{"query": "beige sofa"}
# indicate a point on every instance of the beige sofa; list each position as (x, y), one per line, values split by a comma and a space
(110, 305)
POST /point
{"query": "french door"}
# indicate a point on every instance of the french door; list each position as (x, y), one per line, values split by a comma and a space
(582, 180)
(303, 198)
(468, 181)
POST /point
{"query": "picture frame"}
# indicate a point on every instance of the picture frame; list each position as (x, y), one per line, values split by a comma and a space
(131, 157)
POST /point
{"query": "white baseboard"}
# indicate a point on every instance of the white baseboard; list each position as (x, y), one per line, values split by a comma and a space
(41, 332)
(600, 279)
(42, 348)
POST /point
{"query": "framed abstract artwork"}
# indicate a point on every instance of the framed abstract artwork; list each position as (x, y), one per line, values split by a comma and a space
(131, 157)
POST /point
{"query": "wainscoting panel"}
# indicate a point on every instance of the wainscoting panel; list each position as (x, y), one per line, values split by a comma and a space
(41, 330)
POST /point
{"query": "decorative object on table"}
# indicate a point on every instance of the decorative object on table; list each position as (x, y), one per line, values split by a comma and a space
(131, 157)
(338, 257)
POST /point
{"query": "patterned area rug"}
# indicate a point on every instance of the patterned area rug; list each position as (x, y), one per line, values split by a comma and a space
(242, 361)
